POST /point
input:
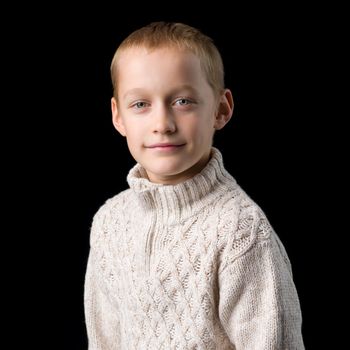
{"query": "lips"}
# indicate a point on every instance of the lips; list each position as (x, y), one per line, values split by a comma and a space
(164, 145)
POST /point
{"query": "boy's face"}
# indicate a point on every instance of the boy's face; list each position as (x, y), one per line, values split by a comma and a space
(167, 111)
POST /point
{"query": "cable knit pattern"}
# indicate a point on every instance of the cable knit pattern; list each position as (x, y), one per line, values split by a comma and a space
(189, 266)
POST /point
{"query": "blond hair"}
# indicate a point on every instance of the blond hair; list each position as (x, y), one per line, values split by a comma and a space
(181, 36)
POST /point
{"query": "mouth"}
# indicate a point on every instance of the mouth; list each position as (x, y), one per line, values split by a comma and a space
(165, 146)
(155, 145)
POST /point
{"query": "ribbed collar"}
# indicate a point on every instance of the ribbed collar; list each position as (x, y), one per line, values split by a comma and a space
(175, 203)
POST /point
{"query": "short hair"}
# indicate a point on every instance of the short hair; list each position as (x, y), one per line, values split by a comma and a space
(178, 35)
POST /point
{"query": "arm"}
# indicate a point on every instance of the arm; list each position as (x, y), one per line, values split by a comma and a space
(259, 307)
(101, 319)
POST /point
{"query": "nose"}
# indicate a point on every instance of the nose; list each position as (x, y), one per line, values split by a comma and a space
(164, 122)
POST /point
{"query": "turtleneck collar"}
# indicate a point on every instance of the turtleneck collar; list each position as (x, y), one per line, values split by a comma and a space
(175, 203)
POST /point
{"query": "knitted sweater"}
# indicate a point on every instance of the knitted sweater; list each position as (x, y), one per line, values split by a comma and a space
(189, 266)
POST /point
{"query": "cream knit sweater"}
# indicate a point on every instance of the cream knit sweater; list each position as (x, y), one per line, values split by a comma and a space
(190, 266)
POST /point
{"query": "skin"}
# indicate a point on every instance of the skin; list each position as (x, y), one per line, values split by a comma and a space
(164, 97)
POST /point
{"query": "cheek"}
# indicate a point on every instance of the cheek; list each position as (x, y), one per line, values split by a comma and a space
(133, 136)
(133, 129)
(193, 130)
(203, 129)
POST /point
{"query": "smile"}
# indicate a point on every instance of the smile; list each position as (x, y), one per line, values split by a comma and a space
(165, 147)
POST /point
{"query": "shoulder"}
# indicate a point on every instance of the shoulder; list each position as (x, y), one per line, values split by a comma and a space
(242, 225)
(106, 210)
(238, 210)
(111, 211)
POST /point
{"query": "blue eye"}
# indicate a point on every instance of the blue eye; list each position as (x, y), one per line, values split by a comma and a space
(183, 101)
(140, 105)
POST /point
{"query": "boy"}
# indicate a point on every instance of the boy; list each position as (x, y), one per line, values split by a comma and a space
(183, 259)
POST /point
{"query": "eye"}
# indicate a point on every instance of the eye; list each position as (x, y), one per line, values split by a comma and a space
(182, 102)
(140, 105)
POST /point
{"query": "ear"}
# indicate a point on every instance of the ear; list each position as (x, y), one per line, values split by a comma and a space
(224, 110)
(116, 117)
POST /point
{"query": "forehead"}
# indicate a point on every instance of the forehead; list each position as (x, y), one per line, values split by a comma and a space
(161, 67)
(148, 55)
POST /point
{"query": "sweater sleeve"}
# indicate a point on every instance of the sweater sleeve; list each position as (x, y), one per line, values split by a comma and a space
(101, 318)
(258, 306)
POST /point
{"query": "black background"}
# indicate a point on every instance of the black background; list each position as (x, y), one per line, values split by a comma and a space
(69, 159)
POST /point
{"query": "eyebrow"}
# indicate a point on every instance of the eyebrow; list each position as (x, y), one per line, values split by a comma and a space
(133, 92)
(184, 87)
